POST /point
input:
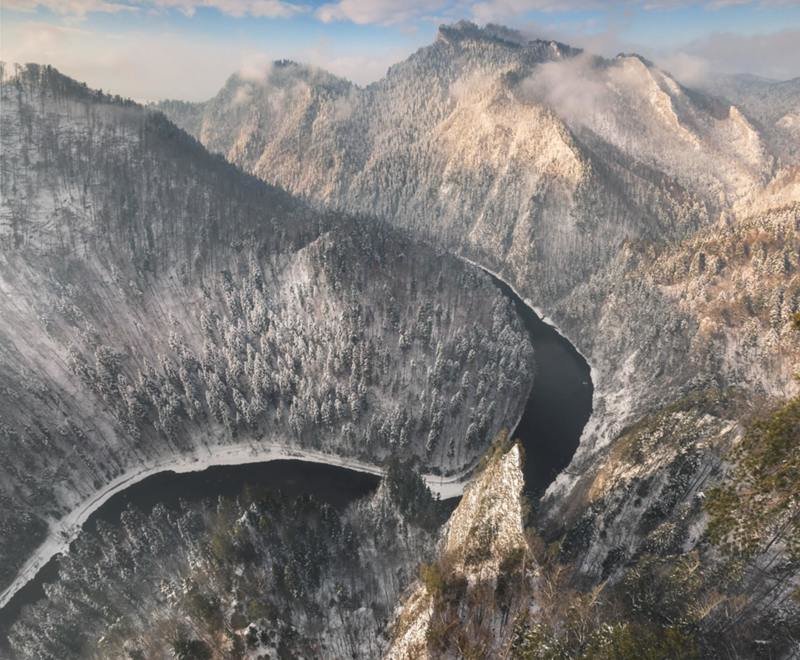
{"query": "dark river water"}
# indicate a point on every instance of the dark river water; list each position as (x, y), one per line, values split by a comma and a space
(550, 429)
(560, 403)
(335, 485)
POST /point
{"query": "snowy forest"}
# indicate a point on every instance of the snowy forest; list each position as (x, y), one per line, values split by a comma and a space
(160, 301)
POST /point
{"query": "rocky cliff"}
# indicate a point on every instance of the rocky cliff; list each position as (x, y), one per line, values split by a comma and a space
(466, 601)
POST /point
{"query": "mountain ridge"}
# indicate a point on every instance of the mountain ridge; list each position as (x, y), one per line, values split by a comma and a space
(158, 301)
(614, 199)
(659, 230)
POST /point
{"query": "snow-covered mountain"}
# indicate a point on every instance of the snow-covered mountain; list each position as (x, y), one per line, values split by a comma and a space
(499, 139)
(166, 302)
(774, 106)
(656, 225)
(161, 307)
(568, 174)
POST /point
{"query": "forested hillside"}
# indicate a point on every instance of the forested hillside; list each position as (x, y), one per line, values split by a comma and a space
(260, 574)
(566, 173)
(158, 302)
(656, 224)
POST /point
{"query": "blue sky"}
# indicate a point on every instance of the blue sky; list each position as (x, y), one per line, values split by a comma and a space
(152, 49)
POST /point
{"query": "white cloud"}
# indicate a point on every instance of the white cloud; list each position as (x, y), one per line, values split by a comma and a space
(374, 12)
(151, 64)
(769, 54)
(243, 95)
(772, 55)
(383, 12)
(157, 65)
(688, 69)
(255, 67)
(575, 88)
(359, 68)
(141, 65)
(494, 11)
(237, 8)
(507, 10)
(68, 7)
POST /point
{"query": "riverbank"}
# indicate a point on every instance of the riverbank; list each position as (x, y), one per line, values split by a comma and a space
(560, 403)
(64, 531)
(549, 427)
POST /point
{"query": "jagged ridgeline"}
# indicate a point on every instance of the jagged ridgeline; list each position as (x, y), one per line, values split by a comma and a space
(157, 302)
(573, 177)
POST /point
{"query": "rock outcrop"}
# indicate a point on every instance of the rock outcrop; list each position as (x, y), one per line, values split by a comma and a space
(466, 601)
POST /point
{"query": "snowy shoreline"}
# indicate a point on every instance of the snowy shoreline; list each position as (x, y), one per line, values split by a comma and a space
(594, 374)
(590, 428)
(65, 530)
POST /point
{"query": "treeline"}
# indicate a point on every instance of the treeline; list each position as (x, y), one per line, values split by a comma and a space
(262, 573)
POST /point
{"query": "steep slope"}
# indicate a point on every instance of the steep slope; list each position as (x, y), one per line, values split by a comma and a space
(157, 303)
(688, 557)
(484, 142)
(773, 104)
(466, 601)
(263, 574)
(490, 134)
(659, 231)
(453, 133)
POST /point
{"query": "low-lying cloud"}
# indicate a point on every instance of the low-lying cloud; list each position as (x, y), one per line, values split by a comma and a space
(773, 55)
(154, 64)
(770, 54)
(580, 91)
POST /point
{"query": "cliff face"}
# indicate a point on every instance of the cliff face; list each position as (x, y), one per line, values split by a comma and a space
(466, 601)
(459, 144)
(158, 303)
(686, 545)
(773, 105)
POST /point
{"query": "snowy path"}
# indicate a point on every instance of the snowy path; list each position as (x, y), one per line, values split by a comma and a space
(64, 531)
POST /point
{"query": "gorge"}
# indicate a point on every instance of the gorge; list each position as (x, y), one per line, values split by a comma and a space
(549, 429)
(302, 269)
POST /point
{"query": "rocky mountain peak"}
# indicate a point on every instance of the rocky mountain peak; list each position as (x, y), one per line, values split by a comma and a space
(285, 74)
(648, 63)
(466, 30)
(463, 32)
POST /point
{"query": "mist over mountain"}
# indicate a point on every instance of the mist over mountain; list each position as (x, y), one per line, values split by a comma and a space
(566, 173)
(296, 268)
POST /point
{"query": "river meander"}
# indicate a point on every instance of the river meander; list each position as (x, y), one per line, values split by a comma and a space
(550, 428)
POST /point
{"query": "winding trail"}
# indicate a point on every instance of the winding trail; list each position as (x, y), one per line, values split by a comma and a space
(65, 530)
(549, 427)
